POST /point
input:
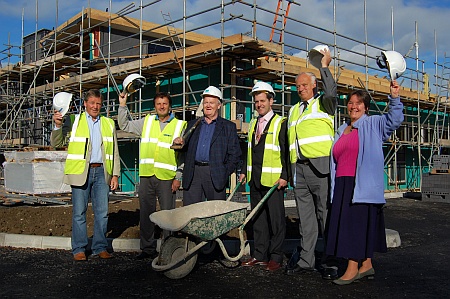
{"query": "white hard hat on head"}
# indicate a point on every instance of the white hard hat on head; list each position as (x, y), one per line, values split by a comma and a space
(393, 62)
(61, 102)
(133, 83)
(262, 86)
(212, 91)
(315, 57)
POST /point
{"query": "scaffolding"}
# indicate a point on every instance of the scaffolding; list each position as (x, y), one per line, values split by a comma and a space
(97, 49)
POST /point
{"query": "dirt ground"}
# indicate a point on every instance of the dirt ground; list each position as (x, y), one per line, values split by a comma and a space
(56, 220)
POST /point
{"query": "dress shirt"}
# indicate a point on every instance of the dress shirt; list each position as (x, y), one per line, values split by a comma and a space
(96, 139)
(204, 142)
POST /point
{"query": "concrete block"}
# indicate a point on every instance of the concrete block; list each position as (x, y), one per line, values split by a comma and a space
(23, 241)
(125, 244)
(2, 239)
(392, 238)
(49, 242)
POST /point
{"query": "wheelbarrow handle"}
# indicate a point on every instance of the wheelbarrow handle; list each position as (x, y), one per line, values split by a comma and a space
(234, 191)
(258, 206)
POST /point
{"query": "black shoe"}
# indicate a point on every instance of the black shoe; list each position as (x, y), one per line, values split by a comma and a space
(299, 270)
(329, 273)
(147, 255)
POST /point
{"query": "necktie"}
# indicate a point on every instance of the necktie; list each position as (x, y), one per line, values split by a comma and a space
(303, 106)
(261, 125)
(260, 129)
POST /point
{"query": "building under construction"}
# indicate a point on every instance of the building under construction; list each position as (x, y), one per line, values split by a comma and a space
(98, 49)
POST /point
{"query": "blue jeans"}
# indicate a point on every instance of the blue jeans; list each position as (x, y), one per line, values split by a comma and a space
(97, 189)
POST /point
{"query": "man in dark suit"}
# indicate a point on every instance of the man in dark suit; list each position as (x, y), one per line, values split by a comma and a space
(267, 165)
(212, 152)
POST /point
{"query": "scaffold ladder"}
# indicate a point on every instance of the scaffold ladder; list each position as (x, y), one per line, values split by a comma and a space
(280, 12)
(173, 34)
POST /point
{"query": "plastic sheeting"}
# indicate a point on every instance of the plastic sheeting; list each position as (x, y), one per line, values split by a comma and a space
(38, 172)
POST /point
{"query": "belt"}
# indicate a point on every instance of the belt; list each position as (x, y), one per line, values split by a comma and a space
(95, 165)
(304, 162)
(201, 163)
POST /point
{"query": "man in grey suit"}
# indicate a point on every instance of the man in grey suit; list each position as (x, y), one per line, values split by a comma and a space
(310, 134)
(92, 168)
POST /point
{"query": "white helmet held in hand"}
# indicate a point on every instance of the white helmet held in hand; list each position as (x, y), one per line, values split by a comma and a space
(133, 83)
(315, 57)
(212, 91)
(262, 86)
(61, 102)
(393, 62)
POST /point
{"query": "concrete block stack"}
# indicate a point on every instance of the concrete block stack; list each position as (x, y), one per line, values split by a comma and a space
(441, 164)
(435, 184)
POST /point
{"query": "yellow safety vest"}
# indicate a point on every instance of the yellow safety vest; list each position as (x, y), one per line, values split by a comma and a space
(312, 131)
(79, 142)
(271, 166)
(156, 156)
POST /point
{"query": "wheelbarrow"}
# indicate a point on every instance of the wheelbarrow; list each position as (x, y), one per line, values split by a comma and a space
(200, 224)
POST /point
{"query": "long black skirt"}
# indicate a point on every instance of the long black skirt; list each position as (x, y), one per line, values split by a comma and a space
(355, 230)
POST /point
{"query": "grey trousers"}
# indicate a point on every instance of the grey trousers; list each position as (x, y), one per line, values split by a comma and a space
(311, 196)
(151, 188)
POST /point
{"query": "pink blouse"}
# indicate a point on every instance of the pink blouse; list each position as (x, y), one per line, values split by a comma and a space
(345, 154)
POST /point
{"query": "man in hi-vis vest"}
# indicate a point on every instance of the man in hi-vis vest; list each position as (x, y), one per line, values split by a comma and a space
(92, 168)
(159, 173)
(310, 134)
(267, 165)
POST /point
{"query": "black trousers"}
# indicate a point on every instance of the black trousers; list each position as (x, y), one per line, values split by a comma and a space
(202, 187)
(269, 224)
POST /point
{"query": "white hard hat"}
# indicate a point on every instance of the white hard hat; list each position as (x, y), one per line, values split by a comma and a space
(262, 86)
(133, 83)
(212, 91)
(393, 62)
(315, 57)
(61, 102)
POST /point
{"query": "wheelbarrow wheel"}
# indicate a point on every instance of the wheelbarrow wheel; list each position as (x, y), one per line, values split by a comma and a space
(173, 249)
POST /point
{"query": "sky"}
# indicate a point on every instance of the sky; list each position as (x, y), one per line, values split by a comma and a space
(424, 22)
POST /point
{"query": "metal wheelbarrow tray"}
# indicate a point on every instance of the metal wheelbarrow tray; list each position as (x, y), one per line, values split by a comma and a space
(206, 221)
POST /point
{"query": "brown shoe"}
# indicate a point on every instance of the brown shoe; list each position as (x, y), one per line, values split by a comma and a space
(105, 255)
(80, 256)
(273, 266)
(253, 262)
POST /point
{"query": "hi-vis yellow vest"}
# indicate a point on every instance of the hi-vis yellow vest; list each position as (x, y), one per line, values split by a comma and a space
(313, 131)
(79, 142)
(156, 156)
(271, 166)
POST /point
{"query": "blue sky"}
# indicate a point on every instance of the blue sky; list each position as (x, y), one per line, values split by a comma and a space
(430, 17)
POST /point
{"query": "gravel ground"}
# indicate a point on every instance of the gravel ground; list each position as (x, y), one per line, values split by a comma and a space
(419, 268)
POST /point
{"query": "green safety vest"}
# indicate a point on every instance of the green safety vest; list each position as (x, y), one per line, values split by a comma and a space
(312, 131)
(79, 142)
(271, 165)
(156, 157)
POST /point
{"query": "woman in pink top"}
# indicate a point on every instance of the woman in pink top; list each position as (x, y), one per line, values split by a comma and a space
(356, 225)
